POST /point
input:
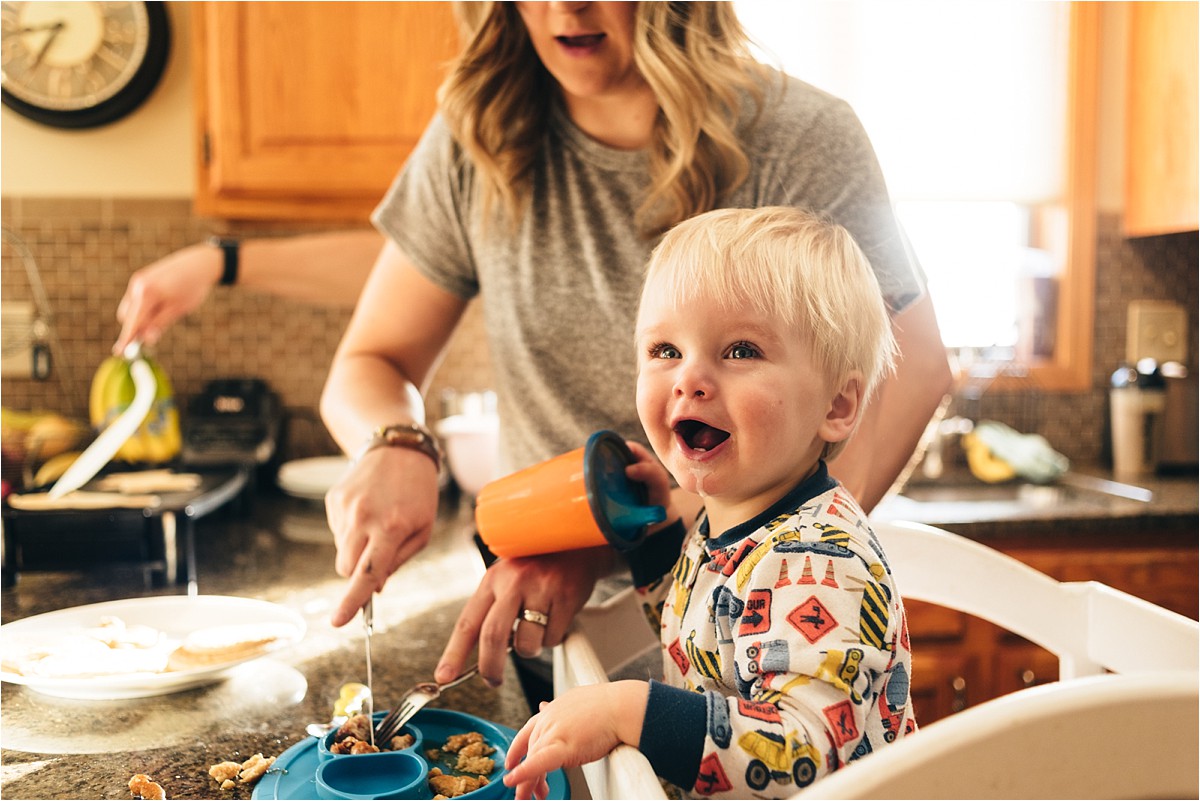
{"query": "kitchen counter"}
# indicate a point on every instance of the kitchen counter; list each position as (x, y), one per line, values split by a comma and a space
(280, 550)
(960, 503)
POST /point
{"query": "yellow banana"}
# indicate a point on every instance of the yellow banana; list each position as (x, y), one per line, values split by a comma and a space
(53, 469)
(158, 439)
(983, 463)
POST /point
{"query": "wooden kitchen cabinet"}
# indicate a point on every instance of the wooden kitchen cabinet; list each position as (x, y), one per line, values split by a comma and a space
(961, 661)
(1163, 136)
(308, 110)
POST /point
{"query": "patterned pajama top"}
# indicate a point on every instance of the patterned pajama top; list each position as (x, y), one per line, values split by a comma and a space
(785, 647)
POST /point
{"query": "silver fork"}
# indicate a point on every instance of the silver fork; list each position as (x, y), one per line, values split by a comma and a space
(414, 701)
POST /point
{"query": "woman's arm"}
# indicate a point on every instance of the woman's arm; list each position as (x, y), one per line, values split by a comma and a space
(328, 269)
(903, 405)
(382, 511)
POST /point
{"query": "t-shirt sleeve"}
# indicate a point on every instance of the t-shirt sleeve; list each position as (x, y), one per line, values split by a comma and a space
(824, 161)
(427, 209)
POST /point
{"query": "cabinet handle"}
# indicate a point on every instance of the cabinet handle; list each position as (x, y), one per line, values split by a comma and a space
(1028, 678)
(959, 702)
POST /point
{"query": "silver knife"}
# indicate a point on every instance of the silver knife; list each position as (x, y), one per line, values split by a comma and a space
(368, 616)
(105, 446)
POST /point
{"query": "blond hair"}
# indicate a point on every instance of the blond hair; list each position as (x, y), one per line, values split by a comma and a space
(787, 264)
(694, 55)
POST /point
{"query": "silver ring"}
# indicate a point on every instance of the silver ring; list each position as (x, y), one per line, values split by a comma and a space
(538, 618)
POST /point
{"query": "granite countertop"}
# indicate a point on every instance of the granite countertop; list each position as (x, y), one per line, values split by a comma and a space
(1076, 504)
(279, 551)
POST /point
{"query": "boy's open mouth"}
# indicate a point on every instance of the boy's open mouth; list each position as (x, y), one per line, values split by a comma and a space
(699, 436)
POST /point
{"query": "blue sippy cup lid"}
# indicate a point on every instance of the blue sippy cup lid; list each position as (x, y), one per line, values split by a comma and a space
(618, 504)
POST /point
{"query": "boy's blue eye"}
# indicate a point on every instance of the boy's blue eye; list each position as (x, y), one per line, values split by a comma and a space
(663, 351)
(742, 350)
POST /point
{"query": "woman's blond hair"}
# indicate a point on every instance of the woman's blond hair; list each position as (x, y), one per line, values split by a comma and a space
(790, 265)
(694, 55)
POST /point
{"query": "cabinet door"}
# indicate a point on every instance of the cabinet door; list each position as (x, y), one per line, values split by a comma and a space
(1161, 143)
(308, 110)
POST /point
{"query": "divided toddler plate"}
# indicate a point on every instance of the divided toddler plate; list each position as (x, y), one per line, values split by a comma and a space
(293, 776)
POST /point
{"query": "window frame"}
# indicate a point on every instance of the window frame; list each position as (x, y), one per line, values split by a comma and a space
(1070, 368)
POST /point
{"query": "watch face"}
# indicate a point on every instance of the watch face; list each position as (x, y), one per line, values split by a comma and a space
(79, 64)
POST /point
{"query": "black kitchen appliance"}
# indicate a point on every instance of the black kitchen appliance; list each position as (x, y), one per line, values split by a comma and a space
(234, 421)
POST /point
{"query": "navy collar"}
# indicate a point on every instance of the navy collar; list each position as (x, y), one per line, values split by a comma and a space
(818, 483)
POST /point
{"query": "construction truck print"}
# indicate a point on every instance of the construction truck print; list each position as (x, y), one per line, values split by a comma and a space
(778, 758)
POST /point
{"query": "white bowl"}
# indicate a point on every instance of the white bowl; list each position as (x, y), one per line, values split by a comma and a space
(472, 445)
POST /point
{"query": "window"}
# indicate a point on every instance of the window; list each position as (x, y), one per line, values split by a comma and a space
(978, 114)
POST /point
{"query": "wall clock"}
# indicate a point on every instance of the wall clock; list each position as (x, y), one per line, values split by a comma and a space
(81, 64)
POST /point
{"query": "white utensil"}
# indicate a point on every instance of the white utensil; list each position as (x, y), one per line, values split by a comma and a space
(105, 446)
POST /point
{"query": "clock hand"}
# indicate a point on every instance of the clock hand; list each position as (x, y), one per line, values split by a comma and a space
(55, 30)
(49, 26)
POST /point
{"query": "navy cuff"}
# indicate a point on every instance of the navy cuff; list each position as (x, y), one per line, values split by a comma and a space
(654, 557)
(673, 733)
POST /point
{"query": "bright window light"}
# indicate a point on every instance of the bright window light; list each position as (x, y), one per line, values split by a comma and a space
(965, 104)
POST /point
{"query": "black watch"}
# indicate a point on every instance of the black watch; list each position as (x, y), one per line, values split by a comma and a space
(230, 247)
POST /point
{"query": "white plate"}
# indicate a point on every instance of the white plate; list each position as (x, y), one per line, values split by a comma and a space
(175, 615)
(311, 478)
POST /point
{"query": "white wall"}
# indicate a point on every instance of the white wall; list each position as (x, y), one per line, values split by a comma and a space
(146, 154)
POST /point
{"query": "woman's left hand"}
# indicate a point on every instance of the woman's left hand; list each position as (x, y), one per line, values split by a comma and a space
(555, 585)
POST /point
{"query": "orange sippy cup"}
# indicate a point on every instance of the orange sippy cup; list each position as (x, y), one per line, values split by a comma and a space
(579, 499)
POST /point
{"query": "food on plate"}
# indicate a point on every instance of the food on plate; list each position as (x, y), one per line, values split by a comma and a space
(473, 757)
(446, 785)
(217, 644)
(354, 737)
(473, 752)
(248, 772)
(81, 499)
(116, 633)
(110, 648)
(149, 481)
(142, 786)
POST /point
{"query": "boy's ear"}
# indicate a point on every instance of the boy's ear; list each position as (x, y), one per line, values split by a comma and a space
(844, 408)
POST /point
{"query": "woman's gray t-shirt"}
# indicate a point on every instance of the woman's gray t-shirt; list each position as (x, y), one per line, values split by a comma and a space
(560, 293)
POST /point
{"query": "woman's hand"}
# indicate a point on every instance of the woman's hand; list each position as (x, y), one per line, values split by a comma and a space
(556, 585)
(580, 726)
(381, 513)
(162, 292)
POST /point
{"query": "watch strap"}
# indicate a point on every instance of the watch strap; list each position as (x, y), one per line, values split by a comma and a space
(230, 248)
(402, 435)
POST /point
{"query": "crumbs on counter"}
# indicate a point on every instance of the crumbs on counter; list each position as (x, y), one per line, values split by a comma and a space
(248, 772)
(142, 786)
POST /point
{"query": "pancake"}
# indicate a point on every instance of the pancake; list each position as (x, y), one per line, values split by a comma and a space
(229, 643)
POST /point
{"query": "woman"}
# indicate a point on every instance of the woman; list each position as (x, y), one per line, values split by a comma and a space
(569, 137)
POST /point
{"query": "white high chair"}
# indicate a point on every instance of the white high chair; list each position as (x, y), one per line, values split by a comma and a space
(1122, 721)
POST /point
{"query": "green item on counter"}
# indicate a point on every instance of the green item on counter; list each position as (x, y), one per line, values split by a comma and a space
(1030, 455)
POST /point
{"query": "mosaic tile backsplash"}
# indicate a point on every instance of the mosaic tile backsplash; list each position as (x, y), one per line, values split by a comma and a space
(85, 251)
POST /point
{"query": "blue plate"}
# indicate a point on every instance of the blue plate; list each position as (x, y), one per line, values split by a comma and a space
(293, 776)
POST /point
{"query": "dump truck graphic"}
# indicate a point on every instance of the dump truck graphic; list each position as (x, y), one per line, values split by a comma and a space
(784, 759)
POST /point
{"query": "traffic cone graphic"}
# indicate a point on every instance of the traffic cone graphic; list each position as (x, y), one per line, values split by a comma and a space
(829, 580)
(807, 576)
(783, 576)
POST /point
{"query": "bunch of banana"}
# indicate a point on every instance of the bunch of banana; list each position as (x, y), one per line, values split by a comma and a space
(48, 439)
(41, 435)
(984, 464)
(159, 438)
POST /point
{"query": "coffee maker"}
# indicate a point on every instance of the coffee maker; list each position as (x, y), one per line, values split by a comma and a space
(1153, 397)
